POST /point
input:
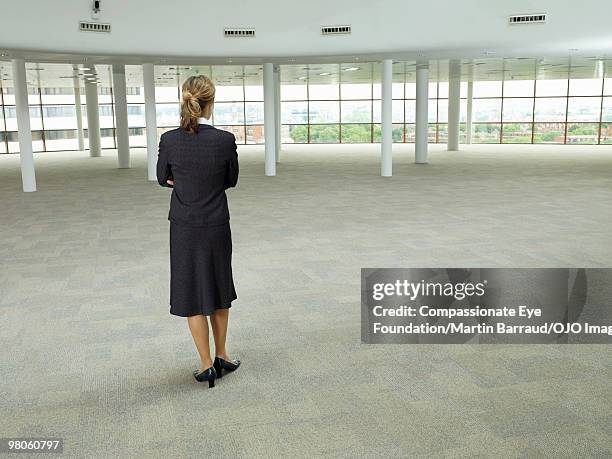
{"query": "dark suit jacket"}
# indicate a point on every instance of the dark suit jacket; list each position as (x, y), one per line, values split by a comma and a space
(203, 165)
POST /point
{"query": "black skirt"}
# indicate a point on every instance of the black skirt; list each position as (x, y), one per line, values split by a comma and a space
(200, 269)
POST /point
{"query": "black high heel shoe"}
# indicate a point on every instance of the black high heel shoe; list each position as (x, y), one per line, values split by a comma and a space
(227, 365)
(206, 375)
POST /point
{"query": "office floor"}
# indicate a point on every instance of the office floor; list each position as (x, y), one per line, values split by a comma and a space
(89, 352)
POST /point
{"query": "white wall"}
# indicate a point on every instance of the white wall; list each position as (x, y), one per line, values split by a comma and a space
(291, 27)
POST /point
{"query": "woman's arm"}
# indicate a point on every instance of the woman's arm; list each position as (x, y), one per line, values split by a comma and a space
(231, 175)
(164, 172)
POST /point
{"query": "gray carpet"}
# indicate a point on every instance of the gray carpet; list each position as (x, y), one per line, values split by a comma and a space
(90, 353)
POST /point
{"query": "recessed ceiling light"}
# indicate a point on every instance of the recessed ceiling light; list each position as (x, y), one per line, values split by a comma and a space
(324, 74)
(351, 69)
(302, 78)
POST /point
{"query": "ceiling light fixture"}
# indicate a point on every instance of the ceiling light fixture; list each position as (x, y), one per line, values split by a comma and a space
(324, 74)
(351, 69)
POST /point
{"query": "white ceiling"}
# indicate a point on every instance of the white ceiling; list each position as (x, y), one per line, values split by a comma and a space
(289, 31)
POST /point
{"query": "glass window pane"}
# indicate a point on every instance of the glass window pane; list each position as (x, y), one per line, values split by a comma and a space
(606, 133)
(432, 132)
(442, 133)
(294, 112)
(324, 92)
(486, 110)
(517, 109)
(397, 107)
(516, 133)
(293, 92)
(606, 114)
(582, 133)
(442, 110)
(324, 112)
(135, 95)
(232, 93)
(487, 89)
(376, 91)
(238, 132)
(228, 113)
(136, 116)
(432, 110)
(356, 91)
(13, 142)
(545, 88)
(37, 143)
(255, 134)
(549, 133)
(2, 142)
(486, 133)
(410, 133)
(61, 140)
(608, 87)
(356, 111)
(356, 133)
(585, 87)
(433, 90)
(138, 137)
(410, 111)
(59, 96)
(35, 118)
(463, 110)
(253, 93)
(59, 116)
(326, 133)
(167, 115)
(166, 94)
(107, 118)
(254, 112)
(519, 88)
(550, 109)
(463, 87)
(584, 109)
(294, 133)
(443, 89)
(410, 91)
(10, 112)
(397, 91)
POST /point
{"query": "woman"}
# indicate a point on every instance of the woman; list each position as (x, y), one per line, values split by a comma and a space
(200, 162)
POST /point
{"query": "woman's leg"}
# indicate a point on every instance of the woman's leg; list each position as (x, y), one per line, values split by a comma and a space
(198, 325)
(218, 322)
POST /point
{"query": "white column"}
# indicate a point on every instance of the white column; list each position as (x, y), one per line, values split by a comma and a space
(269, 122)
(277, 112)
(454, 101)
(422, 91)
(78, 110)
(468, 123)
(121, 120)
(386, 125)
(150, 119)
(26, 155)
(93, 118)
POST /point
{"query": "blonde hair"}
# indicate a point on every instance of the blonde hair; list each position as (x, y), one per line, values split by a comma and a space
(198, 92)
